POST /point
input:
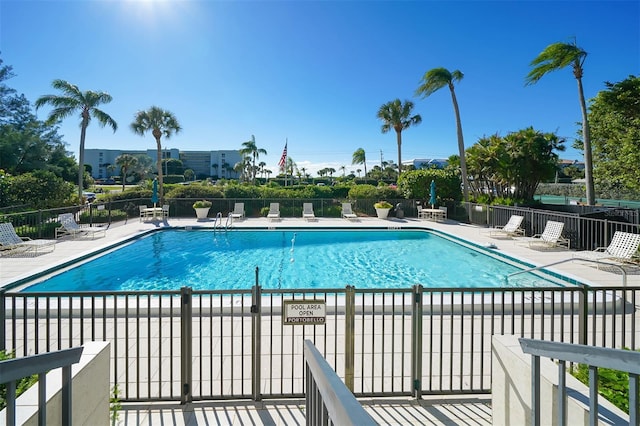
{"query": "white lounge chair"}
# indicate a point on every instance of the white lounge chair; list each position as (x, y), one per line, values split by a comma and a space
(347, 213)
(274, 212)
(71, 227)
(511, 229)
(307, 212)
(238, 211)
(550, 237)
(12, 243)
(622, 248)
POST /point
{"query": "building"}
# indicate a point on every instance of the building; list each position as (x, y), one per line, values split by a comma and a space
(426, 163)
(203, 163)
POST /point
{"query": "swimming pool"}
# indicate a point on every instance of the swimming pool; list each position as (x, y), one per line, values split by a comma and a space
(290, 259)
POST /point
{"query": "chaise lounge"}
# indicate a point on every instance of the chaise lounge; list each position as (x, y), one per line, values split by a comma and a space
(11, 243)
(71, 227)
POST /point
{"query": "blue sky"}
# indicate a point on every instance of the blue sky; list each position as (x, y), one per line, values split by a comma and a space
(315, 72)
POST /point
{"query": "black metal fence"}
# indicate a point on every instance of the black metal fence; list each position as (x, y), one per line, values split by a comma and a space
(210, 345)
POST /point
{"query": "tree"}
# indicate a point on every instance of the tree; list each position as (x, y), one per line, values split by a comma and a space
(557, 56)
(127, 163)
(614, 123)
(360, 157)
(72, 101)
(250, 148)
(434, 80)
(397, 116)
(161, 123)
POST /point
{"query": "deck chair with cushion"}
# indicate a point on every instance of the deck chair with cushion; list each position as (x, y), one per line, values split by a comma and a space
(307, 212)
(71, 227)
(238, 211)
(347, 212)
(513, 228)
(274, 212)
(622, 248)
(551, 237)
(11, 243)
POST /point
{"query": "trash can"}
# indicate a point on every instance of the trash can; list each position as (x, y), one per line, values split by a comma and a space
(399, 211)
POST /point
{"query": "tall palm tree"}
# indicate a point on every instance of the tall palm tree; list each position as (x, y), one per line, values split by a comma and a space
(434, 80)
(161, 123)
(71, 101)
(360, 157)
(126, 162)
(250, 148)
(397, 116)
(557, 56)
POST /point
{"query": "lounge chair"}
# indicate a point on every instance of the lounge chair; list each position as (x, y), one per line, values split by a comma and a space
(238, 211)
(274, 212)
(512, 228)
(550, 237)
(307, 212)
(347, 213)
(71, 227)
(12, 243)
(165, 211)
(622, 248)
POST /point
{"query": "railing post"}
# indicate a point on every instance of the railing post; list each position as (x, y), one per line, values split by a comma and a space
(416, 341)
(535, 390)
(349, 341)
(256, 296)
(583, 314)
(3, 319)
(186, 348)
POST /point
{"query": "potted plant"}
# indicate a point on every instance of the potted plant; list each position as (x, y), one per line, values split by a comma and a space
(202, 209)
(382, 209)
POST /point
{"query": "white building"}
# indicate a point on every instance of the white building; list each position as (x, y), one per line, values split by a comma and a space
(426, 163)
(203, 163)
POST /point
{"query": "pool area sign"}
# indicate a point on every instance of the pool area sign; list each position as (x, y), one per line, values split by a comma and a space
(304, 312)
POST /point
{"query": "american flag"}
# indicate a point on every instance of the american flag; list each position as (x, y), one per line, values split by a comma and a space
(283, 159)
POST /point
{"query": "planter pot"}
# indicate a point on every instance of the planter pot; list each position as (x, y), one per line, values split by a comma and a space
(202, 212)
(382, 213)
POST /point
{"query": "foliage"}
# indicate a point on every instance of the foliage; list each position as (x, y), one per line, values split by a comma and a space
(363, 191)
(612, 384)
(195, 191)
(242, 191)
(39, 190)
(614, 119)
(202, 204)
(21, 385)
(513, 166)
(417, 184)
(102, 216)
(114, 404)
(382, 205)
(129, 194)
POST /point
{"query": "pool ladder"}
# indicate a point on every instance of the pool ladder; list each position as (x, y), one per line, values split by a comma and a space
(620, 268)
(217, 222)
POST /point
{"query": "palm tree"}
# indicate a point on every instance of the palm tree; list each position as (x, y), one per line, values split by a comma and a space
(126, 162)
(557, 56)
(161, 123)
(360, 157)
(434, 80)
(71, 101)
(397, 116)
(344, 170)
(250, 148)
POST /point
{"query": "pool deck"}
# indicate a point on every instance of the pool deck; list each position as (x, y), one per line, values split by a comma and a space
(448, 410)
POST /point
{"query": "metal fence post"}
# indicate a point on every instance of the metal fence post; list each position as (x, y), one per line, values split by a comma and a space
(256, 295)
(186, 345)
(583, 313)
(3, 319)
(349, 341)
(416, 341)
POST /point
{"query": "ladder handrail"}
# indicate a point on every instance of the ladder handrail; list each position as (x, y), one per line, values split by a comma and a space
(624, 273)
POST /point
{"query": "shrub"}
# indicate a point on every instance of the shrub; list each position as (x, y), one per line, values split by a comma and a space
(102, 216)
(382, 205)
(195, 191)
(203, 204)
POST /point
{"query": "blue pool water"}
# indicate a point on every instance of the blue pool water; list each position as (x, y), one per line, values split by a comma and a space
(288, 259)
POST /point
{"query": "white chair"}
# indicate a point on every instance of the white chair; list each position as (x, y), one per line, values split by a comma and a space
(71, 227)
(347, 212)
(274, 212)
(12, 243)
(238, 211)
(144, 213)
(622, 248)
(550, 237)
(511, 229)
(307, 212)
(165, 211)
